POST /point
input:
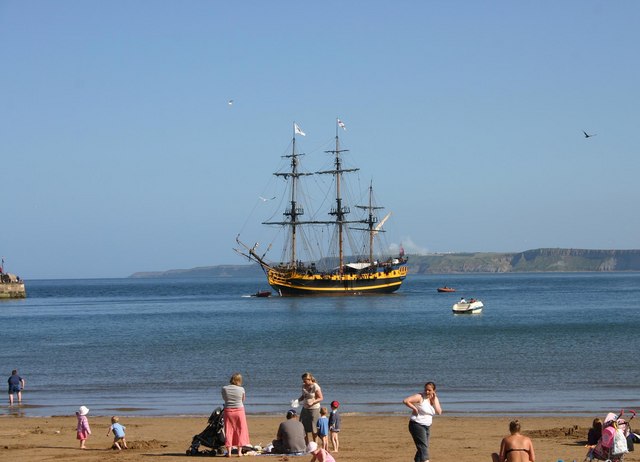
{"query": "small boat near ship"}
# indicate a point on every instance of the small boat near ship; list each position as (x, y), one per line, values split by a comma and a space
(262, 293)
(328, 268)
(446, 289)
(472, 306)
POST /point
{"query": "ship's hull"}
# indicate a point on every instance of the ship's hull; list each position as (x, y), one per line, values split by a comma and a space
(291, 283)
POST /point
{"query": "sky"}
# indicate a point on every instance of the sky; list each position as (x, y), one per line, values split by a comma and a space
(120, 153)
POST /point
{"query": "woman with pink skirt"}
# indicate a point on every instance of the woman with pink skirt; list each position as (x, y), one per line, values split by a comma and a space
(235, 421)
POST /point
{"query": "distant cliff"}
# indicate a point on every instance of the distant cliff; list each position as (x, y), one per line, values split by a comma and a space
(539, 260)
(220, 271)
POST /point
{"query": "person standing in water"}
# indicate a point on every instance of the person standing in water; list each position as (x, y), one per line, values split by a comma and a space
(16, 385)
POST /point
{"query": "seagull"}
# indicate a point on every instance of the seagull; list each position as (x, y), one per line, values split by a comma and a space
(586, 135)
(264, 199)
(230, 103)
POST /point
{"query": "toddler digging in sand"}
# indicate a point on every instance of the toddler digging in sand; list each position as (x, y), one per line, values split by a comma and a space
(118, 434)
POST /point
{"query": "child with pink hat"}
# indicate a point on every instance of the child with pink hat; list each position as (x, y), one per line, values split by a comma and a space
(319, 454)
(83, 431)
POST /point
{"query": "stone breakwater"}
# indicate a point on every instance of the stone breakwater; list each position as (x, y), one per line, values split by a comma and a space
(11, 286)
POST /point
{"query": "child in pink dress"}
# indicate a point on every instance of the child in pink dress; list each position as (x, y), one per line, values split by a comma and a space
(319, 454)
(83, 430)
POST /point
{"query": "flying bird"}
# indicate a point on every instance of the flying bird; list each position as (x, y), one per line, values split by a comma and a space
(264, 199)
(586, 135)
(230, 102)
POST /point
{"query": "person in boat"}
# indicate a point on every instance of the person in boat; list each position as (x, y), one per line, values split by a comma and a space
(515, 447)
(462, 300)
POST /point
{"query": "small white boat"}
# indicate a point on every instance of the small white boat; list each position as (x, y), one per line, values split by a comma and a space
(473, 306)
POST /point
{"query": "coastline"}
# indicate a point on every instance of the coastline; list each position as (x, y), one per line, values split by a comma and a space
(369, 437)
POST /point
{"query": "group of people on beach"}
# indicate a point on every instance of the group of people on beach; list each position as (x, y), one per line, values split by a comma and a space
(296, 435)
(301, 434)
(83, 430)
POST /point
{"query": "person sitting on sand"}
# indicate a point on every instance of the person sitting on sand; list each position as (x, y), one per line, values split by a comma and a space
(515, 447)
(290, 436)
(595, 433)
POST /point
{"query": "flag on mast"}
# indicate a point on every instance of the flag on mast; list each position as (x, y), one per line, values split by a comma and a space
(341, 124)
(297, 130)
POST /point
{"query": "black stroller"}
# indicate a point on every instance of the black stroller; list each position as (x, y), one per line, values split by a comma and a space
(211, 437)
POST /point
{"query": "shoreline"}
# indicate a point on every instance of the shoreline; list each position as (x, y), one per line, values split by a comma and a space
(18, 412)
(369, 437)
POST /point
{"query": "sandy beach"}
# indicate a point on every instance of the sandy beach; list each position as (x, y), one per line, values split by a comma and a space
(363, 438)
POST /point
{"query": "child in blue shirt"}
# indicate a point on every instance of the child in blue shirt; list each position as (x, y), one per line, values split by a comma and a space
(323, 428)
(118, 434)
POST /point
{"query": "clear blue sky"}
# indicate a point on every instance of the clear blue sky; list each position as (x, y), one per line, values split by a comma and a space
(119, 152)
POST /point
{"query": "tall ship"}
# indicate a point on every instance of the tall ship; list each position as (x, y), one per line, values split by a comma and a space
(327, 252)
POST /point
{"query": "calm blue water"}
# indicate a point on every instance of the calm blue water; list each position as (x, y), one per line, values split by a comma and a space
(544, 343)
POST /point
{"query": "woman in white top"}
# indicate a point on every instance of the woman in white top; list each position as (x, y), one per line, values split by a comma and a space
(423, 406)
(310, 398)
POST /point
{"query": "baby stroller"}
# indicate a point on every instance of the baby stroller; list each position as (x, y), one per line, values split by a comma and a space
(616, 439)
(211, 437)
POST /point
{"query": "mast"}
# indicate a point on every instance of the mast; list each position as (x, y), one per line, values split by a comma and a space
(339, 211)
(372, 219)
(294, 211)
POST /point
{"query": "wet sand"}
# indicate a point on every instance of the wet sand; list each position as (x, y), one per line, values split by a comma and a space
(363, 438)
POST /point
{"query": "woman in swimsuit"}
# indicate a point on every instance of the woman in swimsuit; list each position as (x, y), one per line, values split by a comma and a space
(515, 447)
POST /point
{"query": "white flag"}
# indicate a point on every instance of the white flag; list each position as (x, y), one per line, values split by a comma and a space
(341, 124)
(298, 130)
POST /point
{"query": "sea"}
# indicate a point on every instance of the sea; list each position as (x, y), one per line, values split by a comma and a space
(545, 344)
